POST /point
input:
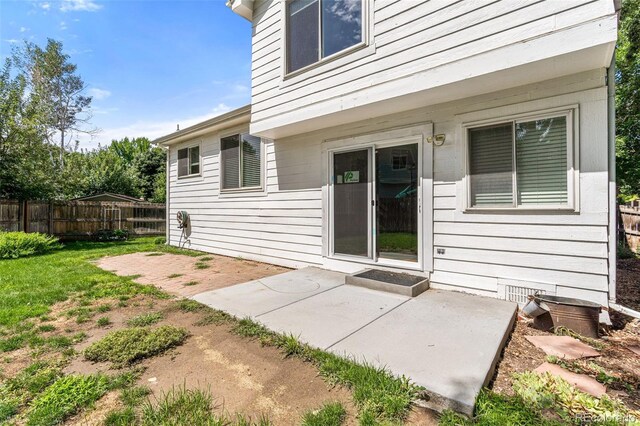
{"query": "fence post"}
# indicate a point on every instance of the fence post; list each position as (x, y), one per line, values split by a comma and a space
(25, 216)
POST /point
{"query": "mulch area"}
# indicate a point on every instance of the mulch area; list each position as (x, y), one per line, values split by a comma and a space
(617, 360)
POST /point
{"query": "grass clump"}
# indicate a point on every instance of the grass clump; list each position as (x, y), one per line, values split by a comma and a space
(181, 406)
(175, 275)
(331, 414)
(188, 305)
(124, 417)
(494, 409)
(65, 397)
(14, 245)
(379, 395)
(190, 283)
(103, 321)
(546, 391)
(202, 265)
(122, 347)
(144, 320)
(214, 317)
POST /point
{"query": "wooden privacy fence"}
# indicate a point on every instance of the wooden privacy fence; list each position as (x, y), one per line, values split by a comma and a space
(80, 220)
(630, 222)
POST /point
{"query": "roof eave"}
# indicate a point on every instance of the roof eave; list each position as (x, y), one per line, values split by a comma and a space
(243, 8)
(229, 119)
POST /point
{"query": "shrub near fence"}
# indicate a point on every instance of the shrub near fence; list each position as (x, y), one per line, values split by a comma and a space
(81, 220)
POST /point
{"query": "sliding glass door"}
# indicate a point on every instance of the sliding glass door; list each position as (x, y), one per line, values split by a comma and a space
(351, 203)
(375, 203)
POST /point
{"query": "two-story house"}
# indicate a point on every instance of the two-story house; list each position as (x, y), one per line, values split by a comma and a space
(469, 141)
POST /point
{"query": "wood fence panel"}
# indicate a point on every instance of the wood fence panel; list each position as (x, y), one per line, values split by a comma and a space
(10, 215)
(630, 221)
(81, 220)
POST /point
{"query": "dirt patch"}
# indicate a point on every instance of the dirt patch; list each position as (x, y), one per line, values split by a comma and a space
(242, 375)
(184, 275)
(616, 359)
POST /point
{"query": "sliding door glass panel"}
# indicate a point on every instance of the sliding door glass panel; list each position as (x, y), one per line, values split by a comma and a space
(341, 25)
(351, 203)
(303, 33)
(397, 202)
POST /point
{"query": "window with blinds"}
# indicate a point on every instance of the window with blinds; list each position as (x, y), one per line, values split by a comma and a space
(520, 163)
(241, 158)
(317, 29)
(189, 161)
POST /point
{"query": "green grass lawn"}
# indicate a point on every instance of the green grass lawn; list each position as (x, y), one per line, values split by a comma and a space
(30, 285)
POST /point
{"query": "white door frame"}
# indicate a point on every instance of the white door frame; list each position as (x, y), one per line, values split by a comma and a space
(400, 136)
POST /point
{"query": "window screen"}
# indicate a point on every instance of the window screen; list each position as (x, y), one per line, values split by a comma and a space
(541, 153)
(519, 163)
(491, 165)
(189, 161)
(241, 161)
(302, 33)
(320, 28)
(230, 154)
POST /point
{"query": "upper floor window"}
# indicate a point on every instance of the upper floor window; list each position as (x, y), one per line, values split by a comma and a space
(521, 163)
(241, 160)
(317, 29)
(189, 161)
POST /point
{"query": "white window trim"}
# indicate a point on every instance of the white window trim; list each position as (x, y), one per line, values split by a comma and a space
(573, 179)
(367, 30)
(256, 190)
(189, 147)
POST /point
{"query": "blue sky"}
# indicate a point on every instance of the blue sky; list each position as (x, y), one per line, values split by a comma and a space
(148, 64)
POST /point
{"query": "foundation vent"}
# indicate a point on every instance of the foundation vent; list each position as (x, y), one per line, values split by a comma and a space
(518, 291)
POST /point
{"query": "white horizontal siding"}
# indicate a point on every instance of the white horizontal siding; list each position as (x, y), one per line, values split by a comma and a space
(283, 227)
(409, 36)
(286, 225)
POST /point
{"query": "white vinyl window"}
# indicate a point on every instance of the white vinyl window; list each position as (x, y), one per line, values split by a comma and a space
(241, 162)
(317, 29)
(189, 161)
(521, 163)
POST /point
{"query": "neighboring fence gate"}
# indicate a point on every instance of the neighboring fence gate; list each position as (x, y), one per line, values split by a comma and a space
(630, 224)
(80, 220)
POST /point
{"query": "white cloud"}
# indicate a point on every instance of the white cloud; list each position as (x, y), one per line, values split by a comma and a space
(12, 40)
(63, 25)
(99, 94)
(149, 129)
(45, 6)
(23, 29)
(80, 6)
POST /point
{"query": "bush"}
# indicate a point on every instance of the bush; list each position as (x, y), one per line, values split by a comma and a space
(126, 346)
(20, 244)
(111, 235)
(160, 241)
(624, 252)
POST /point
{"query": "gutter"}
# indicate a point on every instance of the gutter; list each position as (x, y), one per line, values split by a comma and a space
(167, 202)
(613, 217)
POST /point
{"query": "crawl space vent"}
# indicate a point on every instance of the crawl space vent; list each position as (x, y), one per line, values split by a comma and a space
(517, 291)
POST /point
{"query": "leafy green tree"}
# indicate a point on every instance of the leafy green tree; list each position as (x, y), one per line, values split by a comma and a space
(160, 188)
(26, 163)
(58, 90)
(628, 100)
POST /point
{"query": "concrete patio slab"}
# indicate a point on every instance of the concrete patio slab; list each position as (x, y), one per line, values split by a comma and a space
(581, 381)
(327, 318)
(448, 342)
(565, 347)
(264, 295)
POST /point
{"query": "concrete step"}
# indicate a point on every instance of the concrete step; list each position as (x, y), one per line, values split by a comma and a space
(391, 282)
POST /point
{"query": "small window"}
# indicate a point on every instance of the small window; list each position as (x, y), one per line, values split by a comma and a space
(241, 161)
(521, 163)
(189, 161)
(317, 29)
(399, 159)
